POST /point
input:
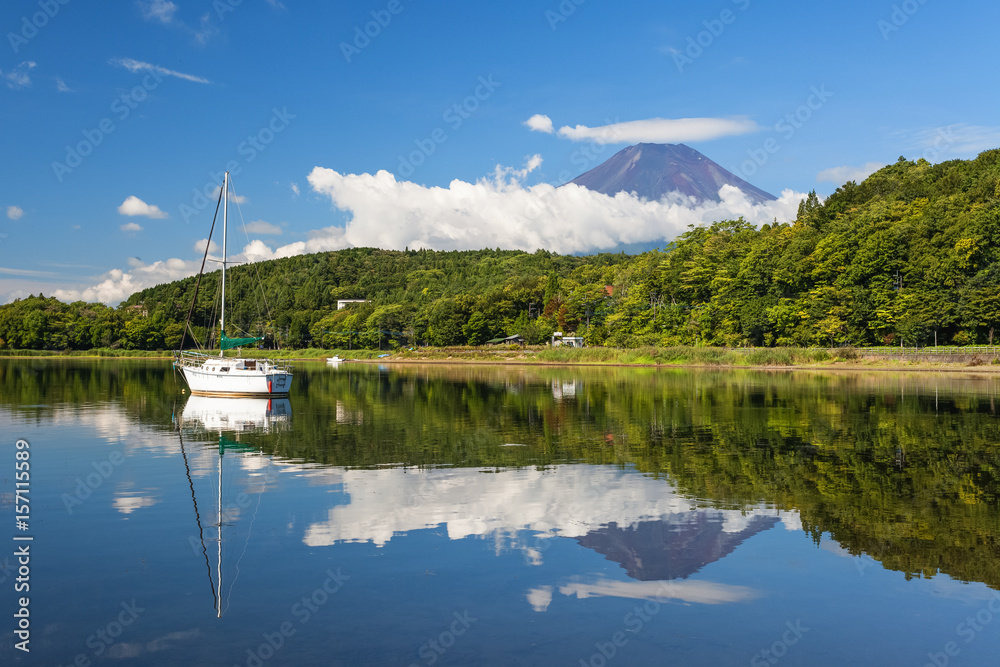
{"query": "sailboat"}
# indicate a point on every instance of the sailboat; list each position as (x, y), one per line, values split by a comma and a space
(209, 375)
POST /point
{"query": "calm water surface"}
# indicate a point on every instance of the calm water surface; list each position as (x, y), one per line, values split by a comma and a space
(504, 516)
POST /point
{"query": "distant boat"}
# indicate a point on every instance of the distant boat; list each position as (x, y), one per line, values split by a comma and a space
(335, 359)
(230, 376)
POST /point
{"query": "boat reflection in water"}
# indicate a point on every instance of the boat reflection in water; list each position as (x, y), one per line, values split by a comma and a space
(241, 415)
(240, 478)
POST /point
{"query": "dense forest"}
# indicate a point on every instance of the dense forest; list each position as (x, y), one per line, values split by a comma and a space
(911, 255)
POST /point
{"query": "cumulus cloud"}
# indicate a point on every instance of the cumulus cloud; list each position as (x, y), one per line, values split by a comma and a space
(540, 123)
(15, 212)
(61, 86)
(135, 206)
(199, 247)
(139, 66)
(295, 189)
(655, 130)
(18, 77)
(498, 211)
(118, 284)
(158, 10)
(131, 227)
(502, 211)
(262, 227)
(840, 175)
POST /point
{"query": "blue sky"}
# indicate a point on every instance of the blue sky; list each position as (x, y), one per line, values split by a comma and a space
(115, 117)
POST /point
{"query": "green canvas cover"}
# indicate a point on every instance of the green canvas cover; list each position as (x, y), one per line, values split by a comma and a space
(229, 343)
(233, 446)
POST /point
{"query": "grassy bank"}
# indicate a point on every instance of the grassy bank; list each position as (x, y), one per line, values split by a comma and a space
(97, 353)
(105, 353)
(645, 356)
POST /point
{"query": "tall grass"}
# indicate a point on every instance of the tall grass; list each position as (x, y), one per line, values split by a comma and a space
(694, 356)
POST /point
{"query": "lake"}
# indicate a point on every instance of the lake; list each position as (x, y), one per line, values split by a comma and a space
(481, 515)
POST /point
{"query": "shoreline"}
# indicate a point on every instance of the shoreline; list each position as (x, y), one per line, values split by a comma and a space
(880, 365)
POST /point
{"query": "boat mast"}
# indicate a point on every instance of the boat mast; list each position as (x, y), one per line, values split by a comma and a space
(225, 222)
(219, 567)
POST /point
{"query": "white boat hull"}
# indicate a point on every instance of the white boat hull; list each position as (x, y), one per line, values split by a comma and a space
(222, 376)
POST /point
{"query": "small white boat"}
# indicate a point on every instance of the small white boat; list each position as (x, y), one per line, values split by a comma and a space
(335, 359)
(208, 375)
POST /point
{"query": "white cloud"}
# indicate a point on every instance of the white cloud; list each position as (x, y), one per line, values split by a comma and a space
(295, 189)
(199, 247)
(540, 123)
(233, 198)
(493, 212)
(118, 284)
(540, 598)
(501, 211)
(661, 130)
(61, 86)
(534, 162)
(158, 10)
(18, 77)
(131, 227)
(135, 206)
(25, 272)
(15, 212)
(840, 175)
(261, 227)
(139, 66)
(702, 592)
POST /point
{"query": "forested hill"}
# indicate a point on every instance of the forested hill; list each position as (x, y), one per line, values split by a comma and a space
(912, 252)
